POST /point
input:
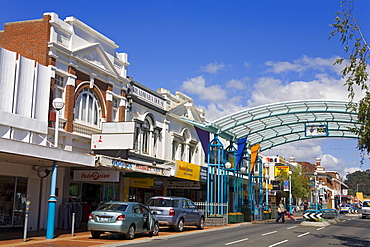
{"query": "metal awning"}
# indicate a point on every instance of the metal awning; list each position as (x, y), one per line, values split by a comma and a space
(275, 124)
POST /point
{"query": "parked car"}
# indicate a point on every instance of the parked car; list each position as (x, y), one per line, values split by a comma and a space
(365, 210)
(176, 212)
(126, 218)
(344, 208)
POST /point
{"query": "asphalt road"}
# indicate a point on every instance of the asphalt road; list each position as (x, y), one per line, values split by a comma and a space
(351, 231)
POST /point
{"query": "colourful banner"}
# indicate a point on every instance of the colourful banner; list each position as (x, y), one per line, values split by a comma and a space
(254, 152)
(241, 145)
(187, 170)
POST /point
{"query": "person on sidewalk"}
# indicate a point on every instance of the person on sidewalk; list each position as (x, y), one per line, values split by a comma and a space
(281, 212)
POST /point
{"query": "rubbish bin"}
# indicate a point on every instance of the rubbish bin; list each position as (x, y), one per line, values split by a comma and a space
(247, 213)
(258, 212)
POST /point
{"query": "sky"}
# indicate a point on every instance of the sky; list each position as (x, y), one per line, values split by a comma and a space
(228, 55)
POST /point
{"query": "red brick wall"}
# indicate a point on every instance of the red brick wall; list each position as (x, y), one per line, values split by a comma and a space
(28, 38)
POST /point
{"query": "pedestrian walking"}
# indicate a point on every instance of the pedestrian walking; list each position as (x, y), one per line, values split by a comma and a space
(281, 212)
(305, 205)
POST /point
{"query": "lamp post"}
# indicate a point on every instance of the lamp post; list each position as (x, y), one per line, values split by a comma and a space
(316, 197)
(267, 177)
(357, 187)
(290, 191)
(58, 105)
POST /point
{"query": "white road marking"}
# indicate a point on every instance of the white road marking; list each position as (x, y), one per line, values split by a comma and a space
(269, 233)
(291, 227)
(237, 241)
(320, 228)
(279, 243)
(304, 234)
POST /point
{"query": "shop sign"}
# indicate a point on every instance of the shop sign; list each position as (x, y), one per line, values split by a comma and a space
(148, 96)
(183, 185)
(96, 176)
(203, 174)
(125, 165)
(278, 170)
(187, 170)
(141, 182)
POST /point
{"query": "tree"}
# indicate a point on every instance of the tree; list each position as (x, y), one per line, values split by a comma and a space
(355, 71)
(300, 183)
(360, 180)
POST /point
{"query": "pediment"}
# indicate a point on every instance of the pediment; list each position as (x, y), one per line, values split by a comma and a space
(94, 54)
(186, 110)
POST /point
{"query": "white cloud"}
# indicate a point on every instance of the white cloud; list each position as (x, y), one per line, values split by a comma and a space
(213, 68)
(270, 90)
(236, 84)
(197, 86)
(304, 63)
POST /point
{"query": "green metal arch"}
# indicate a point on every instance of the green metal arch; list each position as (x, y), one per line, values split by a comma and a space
(276, 124)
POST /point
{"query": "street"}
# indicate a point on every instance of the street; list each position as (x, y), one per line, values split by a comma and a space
(352, 231)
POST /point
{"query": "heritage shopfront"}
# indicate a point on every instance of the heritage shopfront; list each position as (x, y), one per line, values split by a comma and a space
(139, 181)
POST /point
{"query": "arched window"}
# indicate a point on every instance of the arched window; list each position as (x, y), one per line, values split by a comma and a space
(146, 136)
(87, 108)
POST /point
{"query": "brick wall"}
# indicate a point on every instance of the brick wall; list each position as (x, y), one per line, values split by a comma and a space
(28, 38)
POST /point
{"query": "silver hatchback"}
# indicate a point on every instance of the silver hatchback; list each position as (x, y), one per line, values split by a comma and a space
(176, 212)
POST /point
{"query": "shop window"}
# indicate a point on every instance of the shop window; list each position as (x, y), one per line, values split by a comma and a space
(87, 109)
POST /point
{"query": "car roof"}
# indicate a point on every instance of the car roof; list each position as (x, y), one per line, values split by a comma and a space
(168, 197)
(121, 202)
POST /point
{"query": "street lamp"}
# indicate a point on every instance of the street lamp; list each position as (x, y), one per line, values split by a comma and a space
(58, 105)
(290, 191)
(267, 177)
(316, 199)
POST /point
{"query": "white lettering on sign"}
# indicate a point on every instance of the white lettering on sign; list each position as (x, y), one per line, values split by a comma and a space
(148, 96)
(86, 175)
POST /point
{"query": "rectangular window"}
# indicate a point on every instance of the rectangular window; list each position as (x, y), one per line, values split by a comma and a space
(115, 110)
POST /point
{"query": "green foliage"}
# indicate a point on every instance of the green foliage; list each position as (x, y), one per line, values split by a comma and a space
(358, 180)
(300, 183)
(355, 73)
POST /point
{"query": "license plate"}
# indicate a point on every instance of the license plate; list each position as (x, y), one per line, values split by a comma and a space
(105, 219)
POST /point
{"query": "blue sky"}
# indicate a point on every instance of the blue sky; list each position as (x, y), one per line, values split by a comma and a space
(227, 55)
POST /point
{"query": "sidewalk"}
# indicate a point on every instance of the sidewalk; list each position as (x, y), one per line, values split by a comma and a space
(82, 237)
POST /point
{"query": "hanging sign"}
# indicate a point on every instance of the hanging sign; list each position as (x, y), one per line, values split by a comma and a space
(286, 185)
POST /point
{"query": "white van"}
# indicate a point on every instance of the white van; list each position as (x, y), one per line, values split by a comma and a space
(365, 211)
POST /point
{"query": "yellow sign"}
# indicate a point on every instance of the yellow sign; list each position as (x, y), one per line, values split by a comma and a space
(187, 170)
(278, 170)
(141, 182)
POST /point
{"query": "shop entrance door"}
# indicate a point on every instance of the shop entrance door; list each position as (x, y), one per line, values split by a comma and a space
(12, 201)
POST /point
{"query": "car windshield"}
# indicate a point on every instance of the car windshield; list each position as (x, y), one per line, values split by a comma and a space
(112, 207)
(366, 204)
(161, 202)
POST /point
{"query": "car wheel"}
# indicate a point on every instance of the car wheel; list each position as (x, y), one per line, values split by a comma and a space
(180, 225)
(363, 217)
(201, 224)
(155, 230)
(130, 234)
(95, 234)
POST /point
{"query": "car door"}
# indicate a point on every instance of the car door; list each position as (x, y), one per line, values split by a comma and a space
(190, 209)
(139, 219)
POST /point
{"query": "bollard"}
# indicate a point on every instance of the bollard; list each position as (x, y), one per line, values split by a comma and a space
(28, 203)
(73, 224)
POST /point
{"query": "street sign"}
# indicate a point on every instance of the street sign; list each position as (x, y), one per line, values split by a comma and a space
(312, 216)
